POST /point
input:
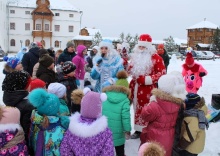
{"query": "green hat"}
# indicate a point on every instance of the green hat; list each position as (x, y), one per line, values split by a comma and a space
(122, 79)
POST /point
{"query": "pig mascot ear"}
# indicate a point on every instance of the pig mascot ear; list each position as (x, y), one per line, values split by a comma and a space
(103, 97)
(86, 90)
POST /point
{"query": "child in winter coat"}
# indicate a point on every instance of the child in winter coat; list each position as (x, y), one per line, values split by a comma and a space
(88, 132)
(161, 113)
(15, 94)
(46, 71)
(193, 74)
(80, 63)
(46, 130)
(13, 64)
(60, 91)
(76, 97)
(117, 110)
(192, 139)
(12, 140)
(65, 76)
(151, 149)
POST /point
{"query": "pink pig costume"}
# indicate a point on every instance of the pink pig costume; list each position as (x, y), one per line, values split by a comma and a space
(193, 73)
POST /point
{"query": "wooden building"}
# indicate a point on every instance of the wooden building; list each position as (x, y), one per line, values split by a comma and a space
(200, 33)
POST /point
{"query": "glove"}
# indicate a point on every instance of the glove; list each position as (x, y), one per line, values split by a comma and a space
(99, 61)
(201, 74)
(141, 80)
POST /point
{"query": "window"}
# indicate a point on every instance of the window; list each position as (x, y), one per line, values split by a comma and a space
(57, 14)
(27, 26)
(27, 43)
(38, 26)
(27, 12)
(70, 28)
(12, 11)
(199, 38)
(57, 27)
(57, 44)
(46, 27)
(12, 42)
(12, 26)
(71, 15)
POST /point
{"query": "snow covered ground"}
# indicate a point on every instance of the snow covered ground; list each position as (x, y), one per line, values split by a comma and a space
(211, 85)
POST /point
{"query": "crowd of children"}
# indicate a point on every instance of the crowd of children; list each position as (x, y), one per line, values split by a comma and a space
(47, 115)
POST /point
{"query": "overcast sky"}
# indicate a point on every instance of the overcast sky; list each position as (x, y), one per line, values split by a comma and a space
(159, 18)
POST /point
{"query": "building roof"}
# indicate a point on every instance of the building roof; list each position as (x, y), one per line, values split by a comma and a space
(89, 38)
(180, 41)
(203, 45)
(54, 4)
(204, 24)
(92, 31)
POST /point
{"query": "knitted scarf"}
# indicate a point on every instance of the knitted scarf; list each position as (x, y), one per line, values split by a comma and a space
(203, 122)
(19, 138)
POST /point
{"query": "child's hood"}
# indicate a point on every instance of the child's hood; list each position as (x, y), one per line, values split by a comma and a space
(116, 94)
(85, 130)
(168, 103)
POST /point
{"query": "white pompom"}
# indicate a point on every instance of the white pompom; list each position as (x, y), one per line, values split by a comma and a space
(86, 90)
(103, 97)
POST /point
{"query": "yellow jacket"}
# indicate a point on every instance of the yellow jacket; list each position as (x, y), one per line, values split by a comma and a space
(195, 142)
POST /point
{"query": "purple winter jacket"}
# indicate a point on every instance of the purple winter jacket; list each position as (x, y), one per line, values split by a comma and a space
(80, 62)
(87, 137)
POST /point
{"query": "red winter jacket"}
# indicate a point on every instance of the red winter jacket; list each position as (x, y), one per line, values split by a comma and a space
(161, 115)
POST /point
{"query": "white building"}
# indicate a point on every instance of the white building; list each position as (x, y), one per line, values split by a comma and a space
(3, 25)
(52, 22)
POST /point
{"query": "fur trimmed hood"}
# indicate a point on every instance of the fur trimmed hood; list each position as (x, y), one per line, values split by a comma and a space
(151, 149)
(87, 130)
(9, 127)
(157, 93)
(119, 89)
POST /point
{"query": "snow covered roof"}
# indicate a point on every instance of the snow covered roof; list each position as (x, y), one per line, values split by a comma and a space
(54, 4)
(204, 24)
(180, 41)
(203, 45)
(92, 31)
(89, 38)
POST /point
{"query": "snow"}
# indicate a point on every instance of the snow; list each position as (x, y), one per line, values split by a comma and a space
(203, 45)
(210, 86)
(54, 4)
(180, 41)
(204, 24)
(89, 38)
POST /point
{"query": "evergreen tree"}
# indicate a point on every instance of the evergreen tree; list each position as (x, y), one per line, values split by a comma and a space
(122, 37)
(216, 40)
(96, 39)
(170, 44)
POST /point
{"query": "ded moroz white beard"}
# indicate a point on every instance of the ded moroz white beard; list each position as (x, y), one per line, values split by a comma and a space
(141, 62)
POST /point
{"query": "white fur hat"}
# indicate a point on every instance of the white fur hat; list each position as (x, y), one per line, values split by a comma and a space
(119, 46)
(173, 84)
(58, 89)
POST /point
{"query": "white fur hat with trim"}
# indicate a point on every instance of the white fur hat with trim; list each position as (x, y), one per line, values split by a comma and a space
(145, 40)
(173, 84)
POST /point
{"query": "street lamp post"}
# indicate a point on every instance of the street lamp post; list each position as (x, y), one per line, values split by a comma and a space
(60, 43)
(21, 43)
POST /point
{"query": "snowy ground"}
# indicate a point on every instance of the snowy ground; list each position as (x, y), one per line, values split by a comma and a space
(211, 85)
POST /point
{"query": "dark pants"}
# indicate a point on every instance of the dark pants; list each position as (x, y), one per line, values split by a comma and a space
(120, 150)
(186, 153)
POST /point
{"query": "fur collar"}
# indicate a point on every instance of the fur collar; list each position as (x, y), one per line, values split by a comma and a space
(115, 88)
(194, 69)
(83, 129)
(200, 104)
(10, 127)
(166, 97)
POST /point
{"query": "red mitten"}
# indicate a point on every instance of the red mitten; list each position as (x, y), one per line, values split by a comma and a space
(141, 80)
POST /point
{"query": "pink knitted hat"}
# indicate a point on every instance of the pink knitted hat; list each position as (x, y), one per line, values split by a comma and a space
(9, 115)
(91, 104)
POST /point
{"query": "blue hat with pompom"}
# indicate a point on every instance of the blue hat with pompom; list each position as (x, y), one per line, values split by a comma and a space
(46, 103)
(11, 61)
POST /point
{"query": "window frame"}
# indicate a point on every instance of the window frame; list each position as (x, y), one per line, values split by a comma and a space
(57, 26)
(72, 28)
(11, 25)
(37, 26)
(26, 24)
